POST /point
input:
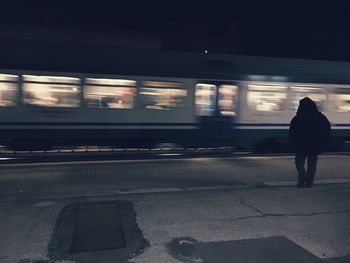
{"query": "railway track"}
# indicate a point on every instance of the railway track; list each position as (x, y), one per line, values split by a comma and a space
(68, 154)
(97, 153)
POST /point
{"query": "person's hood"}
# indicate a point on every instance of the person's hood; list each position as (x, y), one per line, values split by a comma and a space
(307, 107)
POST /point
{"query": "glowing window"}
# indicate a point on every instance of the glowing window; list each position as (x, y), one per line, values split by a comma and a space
(340, 102)
(266, 97)
(51, 91)
(161, 95)
(205, 99)
(110, 93)
(314, 93)
(227, 100)
(8, 90)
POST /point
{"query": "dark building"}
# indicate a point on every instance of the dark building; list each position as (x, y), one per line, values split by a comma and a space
(180, 37)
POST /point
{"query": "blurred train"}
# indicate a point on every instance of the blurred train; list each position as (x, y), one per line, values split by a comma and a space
(139, 98)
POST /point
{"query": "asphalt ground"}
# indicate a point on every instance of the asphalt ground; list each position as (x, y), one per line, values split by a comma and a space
(218, 203)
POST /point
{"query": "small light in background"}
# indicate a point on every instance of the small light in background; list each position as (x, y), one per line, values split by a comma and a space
(206, 51)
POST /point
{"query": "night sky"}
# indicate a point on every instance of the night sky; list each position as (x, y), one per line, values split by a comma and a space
(265, 28)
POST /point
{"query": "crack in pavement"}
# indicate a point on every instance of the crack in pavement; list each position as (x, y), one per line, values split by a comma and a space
(262, 214)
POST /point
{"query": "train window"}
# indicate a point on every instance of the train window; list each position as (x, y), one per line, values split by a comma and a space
(266, 97)
(110, 93)
(227, 100)
(314, 93)
(8, 90)
(340, 102)
(50, 79)
(8, 78)
(161, 95)
(205, 99)
(51, 91)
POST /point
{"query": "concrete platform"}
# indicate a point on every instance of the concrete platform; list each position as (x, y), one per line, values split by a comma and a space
(212, 201)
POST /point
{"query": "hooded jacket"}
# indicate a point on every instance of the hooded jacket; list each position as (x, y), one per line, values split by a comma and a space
(309, 130)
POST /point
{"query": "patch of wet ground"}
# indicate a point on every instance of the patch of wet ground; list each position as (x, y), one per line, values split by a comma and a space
(59, 248)
(263, 250)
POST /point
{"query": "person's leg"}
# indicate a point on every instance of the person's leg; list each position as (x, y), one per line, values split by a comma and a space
(299, 164)
(311, 169)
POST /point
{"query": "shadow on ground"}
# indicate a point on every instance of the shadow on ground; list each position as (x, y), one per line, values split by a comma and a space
(274, 249)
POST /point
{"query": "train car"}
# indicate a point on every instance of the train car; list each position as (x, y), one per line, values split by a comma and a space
(138, 98)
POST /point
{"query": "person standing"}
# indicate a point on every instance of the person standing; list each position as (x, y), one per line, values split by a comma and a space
(310, 131)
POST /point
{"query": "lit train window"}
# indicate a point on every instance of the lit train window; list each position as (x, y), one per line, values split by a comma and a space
(8, 90)
(340, 102)
(314, 93)
(266, 97)
(110, 93)
(227, 100)
(205, 99)
(51, 91)
(161, 95)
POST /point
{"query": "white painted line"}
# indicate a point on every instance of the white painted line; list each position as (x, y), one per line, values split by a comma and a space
(332, 181)
(265, 157)
(167, 190)
(173, 189)
(280, 183)
(170, 154)
(103, 193)
(218, 187)
(44, 204)
(148, 190)
(318, 181)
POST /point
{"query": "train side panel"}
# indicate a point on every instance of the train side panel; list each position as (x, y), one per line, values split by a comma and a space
(266, 125)
(45, 126)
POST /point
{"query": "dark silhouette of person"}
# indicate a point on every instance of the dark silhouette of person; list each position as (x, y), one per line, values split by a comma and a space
(310, 131)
